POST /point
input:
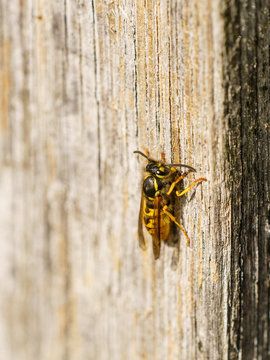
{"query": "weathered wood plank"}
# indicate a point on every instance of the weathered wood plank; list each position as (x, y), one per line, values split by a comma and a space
(247, 99)
(85, 83)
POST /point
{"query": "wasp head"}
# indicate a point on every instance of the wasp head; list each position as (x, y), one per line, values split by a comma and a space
(160, 169)
(157, 169)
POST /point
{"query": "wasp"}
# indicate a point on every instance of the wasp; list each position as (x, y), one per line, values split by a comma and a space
(159, 191)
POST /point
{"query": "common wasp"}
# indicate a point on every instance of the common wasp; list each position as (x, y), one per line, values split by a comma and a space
(159, 191)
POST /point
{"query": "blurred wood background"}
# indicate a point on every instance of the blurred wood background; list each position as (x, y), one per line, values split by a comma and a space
(83, 84)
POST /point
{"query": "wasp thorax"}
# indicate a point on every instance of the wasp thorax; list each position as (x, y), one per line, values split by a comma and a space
(151, 185)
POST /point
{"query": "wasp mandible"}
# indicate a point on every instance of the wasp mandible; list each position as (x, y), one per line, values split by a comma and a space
(158, 200)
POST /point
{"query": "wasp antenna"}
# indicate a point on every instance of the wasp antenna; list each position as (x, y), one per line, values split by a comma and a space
(141, 153)
(182, 165)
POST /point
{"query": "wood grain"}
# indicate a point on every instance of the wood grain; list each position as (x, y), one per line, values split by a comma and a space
(83, 85)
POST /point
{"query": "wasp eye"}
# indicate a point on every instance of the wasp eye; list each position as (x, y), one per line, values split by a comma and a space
(162, 171)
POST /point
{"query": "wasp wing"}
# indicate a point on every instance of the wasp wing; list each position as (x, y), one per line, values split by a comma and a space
(156, 233)
(142, 243)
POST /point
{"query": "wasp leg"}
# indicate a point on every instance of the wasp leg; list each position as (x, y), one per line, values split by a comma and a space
(162, 155)
(187, 189)
(146, 151)
(175, 182)
(176, 223)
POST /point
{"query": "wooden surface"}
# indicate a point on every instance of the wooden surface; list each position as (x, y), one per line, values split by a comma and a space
(83, 84)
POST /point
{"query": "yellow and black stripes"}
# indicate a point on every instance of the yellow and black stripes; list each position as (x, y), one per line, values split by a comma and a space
(159, 193)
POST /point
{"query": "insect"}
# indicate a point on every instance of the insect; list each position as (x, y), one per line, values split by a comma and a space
(159, 192)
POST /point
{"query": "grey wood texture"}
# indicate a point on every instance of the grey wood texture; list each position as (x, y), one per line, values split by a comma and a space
(84, 84)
